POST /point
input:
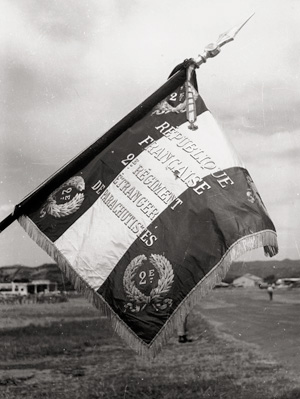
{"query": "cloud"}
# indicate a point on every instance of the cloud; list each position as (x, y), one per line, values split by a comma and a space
(257, 105)
(62, 21)
(273, 161)
(273, 149)
(6, 209)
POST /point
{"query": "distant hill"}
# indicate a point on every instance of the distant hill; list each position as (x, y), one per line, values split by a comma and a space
(279, 269)
(47, 271)
(50, 271)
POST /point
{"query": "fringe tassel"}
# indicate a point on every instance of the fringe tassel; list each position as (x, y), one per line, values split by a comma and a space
(265, 238)
(83, 287)
(215, 276)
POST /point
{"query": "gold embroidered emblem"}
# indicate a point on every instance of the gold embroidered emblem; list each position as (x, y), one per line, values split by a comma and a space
(179, 98)
(147, 282)
(66, 199)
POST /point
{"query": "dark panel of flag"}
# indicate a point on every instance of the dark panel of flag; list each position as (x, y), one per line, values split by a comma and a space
(149, 224)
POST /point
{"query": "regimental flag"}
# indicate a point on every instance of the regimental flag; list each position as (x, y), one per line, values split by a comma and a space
(147, 226)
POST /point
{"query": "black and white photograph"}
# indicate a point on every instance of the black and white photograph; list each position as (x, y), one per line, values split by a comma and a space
(149, 199)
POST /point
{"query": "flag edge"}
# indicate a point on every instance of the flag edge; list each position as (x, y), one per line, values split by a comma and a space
(247, 243)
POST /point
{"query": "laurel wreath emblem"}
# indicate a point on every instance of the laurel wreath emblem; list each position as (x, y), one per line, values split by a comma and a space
(157, 297)
(166, 107)
(61, 210)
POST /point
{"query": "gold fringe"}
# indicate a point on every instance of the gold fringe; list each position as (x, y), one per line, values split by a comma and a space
(265, 238)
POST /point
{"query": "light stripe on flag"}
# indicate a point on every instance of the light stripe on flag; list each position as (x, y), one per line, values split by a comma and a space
(152, 217)
(94, 256)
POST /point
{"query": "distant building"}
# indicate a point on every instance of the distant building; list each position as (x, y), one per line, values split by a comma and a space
(288, 282)
(28, 287)
(221, 285)
(248, 280)
(5, 287)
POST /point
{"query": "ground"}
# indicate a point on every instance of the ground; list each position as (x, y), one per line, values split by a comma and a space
(244, 347)
(250, 316)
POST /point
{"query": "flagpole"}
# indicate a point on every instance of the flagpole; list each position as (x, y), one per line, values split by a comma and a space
(178, 77)
(46, 188)
(7, 221)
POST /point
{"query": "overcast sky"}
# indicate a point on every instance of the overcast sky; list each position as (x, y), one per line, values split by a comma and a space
(71, 69)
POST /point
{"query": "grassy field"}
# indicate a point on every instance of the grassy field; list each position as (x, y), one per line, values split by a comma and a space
(68, 350)
(252, 317)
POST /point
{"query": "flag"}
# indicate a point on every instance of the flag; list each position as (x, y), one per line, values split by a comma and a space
(149, 224)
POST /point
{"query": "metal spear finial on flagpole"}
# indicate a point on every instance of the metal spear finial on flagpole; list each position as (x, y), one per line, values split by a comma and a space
(213, 49)
(210, 51)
